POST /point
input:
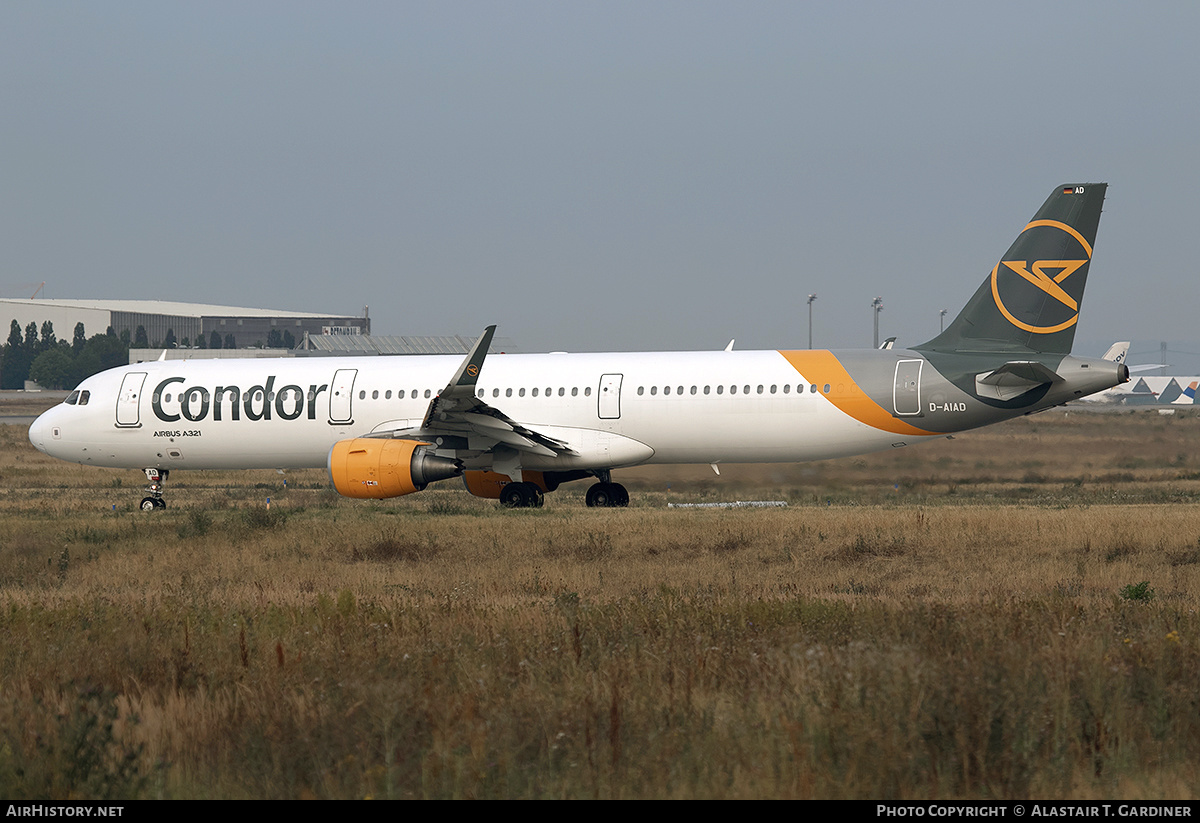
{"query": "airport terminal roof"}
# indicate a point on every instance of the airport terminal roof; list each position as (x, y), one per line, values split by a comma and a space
(161, 307)
(395, 344)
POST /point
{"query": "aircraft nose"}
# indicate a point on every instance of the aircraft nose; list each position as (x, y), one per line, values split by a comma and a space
(38, 431)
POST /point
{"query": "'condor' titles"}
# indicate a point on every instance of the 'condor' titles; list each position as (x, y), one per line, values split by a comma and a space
(196, 403)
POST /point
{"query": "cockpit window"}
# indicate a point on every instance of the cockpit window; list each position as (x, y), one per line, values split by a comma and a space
(72, 398)
(84, 396)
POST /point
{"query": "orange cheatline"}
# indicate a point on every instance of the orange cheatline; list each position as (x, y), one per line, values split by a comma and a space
(823, 367)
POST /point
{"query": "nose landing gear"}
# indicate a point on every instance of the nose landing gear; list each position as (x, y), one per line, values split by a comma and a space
(157, 478)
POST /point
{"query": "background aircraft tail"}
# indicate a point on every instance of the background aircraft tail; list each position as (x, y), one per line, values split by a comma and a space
(1030, 301)
(1117, 352)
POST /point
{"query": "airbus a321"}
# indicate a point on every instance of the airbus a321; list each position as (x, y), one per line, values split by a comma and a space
(514, 427)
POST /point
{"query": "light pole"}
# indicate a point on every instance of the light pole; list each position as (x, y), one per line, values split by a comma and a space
(942, 320)
(811, 298)
(877, 305)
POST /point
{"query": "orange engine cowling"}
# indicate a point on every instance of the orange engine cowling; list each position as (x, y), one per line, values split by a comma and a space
(488, 483)
(372, 468)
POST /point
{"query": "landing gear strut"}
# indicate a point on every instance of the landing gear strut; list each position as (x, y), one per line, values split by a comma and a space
(522, 496)
(157, 478)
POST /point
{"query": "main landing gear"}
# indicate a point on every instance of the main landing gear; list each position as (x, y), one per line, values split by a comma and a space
(607, 495)
(522, 496)
(157, 478)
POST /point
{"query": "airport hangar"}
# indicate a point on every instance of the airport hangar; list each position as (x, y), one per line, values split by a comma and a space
(315, 334)
(248, 326)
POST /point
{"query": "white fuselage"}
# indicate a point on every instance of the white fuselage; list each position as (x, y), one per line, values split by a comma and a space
(614, 409)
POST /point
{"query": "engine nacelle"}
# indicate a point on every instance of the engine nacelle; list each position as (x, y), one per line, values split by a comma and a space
(376, 469)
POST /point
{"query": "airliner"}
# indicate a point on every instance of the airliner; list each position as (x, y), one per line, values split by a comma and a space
(514, 427)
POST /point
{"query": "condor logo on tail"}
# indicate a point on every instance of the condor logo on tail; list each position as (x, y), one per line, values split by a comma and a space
(1034, 290)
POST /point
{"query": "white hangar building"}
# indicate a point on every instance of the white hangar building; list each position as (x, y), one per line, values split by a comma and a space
(248, 326)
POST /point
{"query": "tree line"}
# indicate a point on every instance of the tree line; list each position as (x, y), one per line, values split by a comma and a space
(54, 363)
(59, 364)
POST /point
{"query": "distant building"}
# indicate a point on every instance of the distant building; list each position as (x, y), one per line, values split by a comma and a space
(246, 326)
(336, 345)
(404, 344)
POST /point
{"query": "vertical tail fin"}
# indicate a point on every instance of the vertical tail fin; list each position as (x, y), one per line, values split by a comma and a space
(1030, 302)
(1117, 352)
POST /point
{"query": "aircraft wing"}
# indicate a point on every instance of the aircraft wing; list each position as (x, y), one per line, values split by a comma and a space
(462, 419)
(481, 429)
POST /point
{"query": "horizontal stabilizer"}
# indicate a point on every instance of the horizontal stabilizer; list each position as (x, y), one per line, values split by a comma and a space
(1014, 379)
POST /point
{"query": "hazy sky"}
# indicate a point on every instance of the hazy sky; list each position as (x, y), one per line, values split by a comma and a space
(590, 176)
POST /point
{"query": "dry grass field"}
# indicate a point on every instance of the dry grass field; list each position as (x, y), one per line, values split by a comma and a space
(1009, 614)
